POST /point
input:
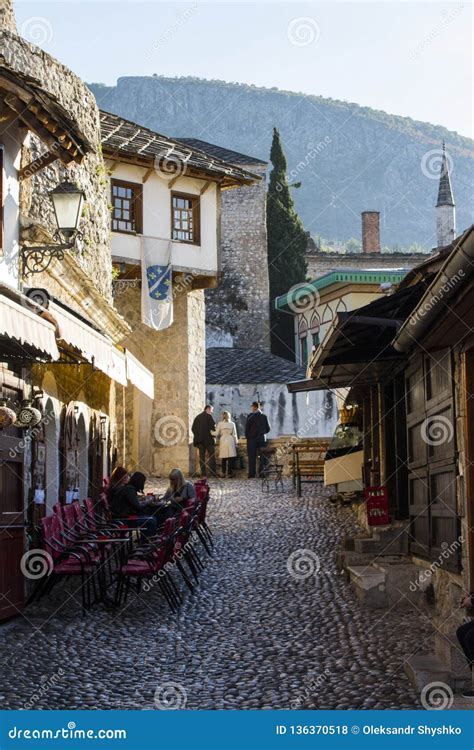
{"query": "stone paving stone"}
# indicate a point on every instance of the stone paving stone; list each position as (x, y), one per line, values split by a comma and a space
(268, 627)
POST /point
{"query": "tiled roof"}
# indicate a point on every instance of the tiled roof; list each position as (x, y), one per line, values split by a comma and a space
(141, 145)
(228, 365)
(233, 157)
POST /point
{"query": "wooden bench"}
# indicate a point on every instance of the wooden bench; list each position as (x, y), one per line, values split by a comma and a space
(307, 462)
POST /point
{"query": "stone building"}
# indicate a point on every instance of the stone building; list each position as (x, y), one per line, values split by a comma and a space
(60, 334)
(173, 205)
(238, 310)
(320, 262)
(237, 377)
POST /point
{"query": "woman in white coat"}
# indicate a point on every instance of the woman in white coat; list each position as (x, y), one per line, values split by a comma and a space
(226, 433)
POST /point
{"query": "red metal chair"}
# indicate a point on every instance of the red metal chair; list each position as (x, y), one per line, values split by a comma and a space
(67, 560)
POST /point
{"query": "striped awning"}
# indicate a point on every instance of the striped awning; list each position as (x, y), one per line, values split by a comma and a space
(23, 333)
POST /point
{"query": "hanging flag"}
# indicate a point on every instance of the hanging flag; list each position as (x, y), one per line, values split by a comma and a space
(157, 283)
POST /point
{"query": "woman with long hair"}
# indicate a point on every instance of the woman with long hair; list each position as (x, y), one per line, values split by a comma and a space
(179, 490)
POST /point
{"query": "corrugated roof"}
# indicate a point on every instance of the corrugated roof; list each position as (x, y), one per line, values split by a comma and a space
(123, 138)
(226, 365)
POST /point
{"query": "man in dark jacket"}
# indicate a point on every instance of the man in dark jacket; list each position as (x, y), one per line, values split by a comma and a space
(203, 428)
(256, 429)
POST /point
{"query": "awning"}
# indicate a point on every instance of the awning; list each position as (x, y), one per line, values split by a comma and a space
(23, 334)
(139, 376)
(75, 332)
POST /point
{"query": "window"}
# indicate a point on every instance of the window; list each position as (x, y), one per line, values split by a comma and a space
(126, 207)
(185, 224)
(304, 350)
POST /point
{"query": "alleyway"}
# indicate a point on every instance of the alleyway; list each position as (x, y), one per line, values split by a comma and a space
(253, 636)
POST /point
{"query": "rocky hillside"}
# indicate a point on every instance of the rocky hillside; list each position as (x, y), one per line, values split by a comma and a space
(348, 158)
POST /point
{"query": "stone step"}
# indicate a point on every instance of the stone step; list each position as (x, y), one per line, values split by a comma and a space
(425, 669)
(369, 586)
(400, 581)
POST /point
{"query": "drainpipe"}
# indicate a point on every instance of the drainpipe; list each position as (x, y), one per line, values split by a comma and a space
(459, 261)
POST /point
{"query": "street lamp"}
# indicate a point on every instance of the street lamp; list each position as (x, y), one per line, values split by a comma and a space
(67, 200)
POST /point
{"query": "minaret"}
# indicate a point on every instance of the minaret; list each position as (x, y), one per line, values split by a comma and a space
(445, 211)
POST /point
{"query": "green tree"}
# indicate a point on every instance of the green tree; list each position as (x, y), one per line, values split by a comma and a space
(287, 243)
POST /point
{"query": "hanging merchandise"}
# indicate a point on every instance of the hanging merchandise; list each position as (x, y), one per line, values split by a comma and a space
(7, 415)
(27, 415)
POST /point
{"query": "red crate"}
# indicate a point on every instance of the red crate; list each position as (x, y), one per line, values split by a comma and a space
(377, 506)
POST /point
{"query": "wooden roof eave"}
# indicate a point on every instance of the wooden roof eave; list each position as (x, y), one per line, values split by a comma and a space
(225, 181)
(49, 125)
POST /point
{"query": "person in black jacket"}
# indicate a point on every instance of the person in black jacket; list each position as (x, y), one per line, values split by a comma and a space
(125, 501)
(465, 634)
(256, 429)
(203, 429)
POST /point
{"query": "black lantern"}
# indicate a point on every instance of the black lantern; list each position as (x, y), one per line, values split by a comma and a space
(67, 200)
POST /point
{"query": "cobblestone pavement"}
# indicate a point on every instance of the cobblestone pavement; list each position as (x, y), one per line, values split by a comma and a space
(259, 632)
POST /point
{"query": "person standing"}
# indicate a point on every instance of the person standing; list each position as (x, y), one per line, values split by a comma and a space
(465, 634)
(256, 429)
(203, 429)
(226, 433)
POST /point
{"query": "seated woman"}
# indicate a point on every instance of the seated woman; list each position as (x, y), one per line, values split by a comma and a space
(125, 501)
(179, 491)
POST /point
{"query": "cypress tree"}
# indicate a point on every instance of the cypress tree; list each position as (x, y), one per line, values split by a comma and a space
(287, 242)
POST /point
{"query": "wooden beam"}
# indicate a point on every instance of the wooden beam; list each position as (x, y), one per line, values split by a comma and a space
(205, 187)
(173, 181)
(37, 165)
(33, 123)
(147, 174)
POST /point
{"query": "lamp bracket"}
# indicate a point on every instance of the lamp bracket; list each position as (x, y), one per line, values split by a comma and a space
(37, 258)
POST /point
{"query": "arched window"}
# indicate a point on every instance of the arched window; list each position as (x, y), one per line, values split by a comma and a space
(303, 337)
(314, 330)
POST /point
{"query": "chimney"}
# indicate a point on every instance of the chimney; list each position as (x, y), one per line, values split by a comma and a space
(370, 231)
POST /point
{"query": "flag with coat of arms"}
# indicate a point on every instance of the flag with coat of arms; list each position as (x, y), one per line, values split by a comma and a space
(157, 283)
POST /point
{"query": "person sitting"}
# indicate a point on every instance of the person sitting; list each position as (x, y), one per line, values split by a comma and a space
(125, 501)
(179, 491)
(465, 634)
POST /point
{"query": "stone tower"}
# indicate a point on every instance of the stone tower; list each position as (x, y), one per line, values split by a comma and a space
(445, 210)
(238, 310)
(7, 16)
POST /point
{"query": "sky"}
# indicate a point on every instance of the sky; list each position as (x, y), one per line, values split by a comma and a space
(411, 59)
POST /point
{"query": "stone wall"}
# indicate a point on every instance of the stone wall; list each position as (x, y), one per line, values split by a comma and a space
(238, 311)
(307, 415)
(321, 263)
(158, 436)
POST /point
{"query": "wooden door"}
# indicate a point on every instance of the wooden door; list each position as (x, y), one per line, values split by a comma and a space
(434, 523)
(12, 529)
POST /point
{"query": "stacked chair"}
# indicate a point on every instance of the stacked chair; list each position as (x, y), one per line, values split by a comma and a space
(84, 541)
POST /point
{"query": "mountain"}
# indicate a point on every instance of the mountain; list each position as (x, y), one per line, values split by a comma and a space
(348, 158)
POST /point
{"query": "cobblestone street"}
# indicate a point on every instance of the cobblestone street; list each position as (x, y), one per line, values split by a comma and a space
(255, 635)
